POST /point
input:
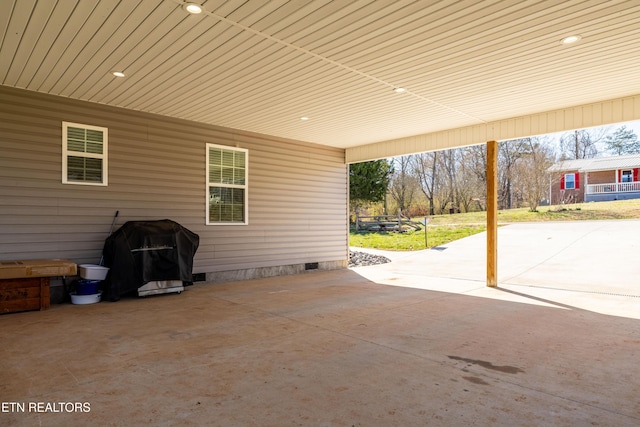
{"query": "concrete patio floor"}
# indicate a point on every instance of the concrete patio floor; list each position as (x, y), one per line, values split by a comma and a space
(346, 348)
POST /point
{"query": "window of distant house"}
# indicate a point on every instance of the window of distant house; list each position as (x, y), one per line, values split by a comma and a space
(570, 181)
(227, 193)
(626, 176)
(84, 154)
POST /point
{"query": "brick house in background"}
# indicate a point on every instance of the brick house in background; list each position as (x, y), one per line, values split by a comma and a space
(595, 180)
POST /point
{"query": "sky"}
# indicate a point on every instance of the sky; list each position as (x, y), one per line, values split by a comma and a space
(633, 125)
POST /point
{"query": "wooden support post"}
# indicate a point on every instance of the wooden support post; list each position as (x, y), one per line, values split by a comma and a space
(492, 213)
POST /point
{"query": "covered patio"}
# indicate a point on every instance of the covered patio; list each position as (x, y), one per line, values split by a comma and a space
(400, 344)
(304, 88)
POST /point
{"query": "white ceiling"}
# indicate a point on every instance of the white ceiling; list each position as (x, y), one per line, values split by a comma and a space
(261, 65)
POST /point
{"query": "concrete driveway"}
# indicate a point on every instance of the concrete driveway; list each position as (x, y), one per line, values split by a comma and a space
(594, 265)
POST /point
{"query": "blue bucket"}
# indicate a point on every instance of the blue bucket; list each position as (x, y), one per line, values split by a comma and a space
(87, 287)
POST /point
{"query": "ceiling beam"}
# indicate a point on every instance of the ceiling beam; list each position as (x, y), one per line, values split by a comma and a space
(582, 116)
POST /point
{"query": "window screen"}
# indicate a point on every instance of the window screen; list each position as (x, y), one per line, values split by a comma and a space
(84, 154)
(226, 185)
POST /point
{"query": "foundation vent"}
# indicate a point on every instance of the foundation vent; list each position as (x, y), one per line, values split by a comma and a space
(199, 277)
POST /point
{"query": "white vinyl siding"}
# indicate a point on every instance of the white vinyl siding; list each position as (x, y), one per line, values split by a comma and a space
(227, 192)
(297, 200)
(602, 113)
(84, 154)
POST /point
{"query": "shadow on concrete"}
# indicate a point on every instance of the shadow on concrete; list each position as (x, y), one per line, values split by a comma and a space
(328, 348)
(534, 298)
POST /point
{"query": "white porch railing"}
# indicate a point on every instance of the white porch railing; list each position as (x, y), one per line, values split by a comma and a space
(621, 187)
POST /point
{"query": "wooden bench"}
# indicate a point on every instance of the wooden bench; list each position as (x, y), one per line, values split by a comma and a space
(24, 284)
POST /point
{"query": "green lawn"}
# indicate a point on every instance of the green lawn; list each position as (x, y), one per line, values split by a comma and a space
(443, 229)
(413, 240)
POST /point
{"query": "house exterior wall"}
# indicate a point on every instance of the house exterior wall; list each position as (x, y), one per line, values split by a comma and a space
(560, 195)
(622, 191)
(298, 196)
(602, 177)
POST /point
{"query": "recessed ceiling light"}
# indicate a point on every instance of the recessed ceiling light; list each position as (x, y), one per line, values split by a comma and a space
(399, 90)
(571, 39)
(304, 118)
(192, 8)
(118, 73)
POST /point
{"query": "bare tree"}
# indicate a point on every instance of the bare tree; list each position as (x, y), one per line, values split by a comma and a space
(476, 162)
(509, 153)
(582, 143)
(448, 162)
(470, 188)
(403, 183)
(459, 180)
(530, 173)
(426, 169)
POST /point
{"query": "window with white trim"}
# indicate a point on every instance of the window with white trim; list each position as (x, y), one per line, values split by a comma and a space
(570, 181)
(227, 191)
(626, 176)
(84, 154)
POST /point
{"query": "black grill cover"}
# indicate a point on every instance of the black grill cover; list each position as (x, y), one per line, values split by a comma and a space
(144, 251)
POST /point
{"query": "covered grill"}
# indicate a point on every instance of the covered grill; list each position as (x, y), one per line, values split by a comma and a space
(158, 254)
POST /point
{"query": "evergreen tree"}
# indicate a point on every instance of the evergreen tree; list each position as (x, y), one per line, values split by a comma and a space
(623, 141)
(368, 182)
